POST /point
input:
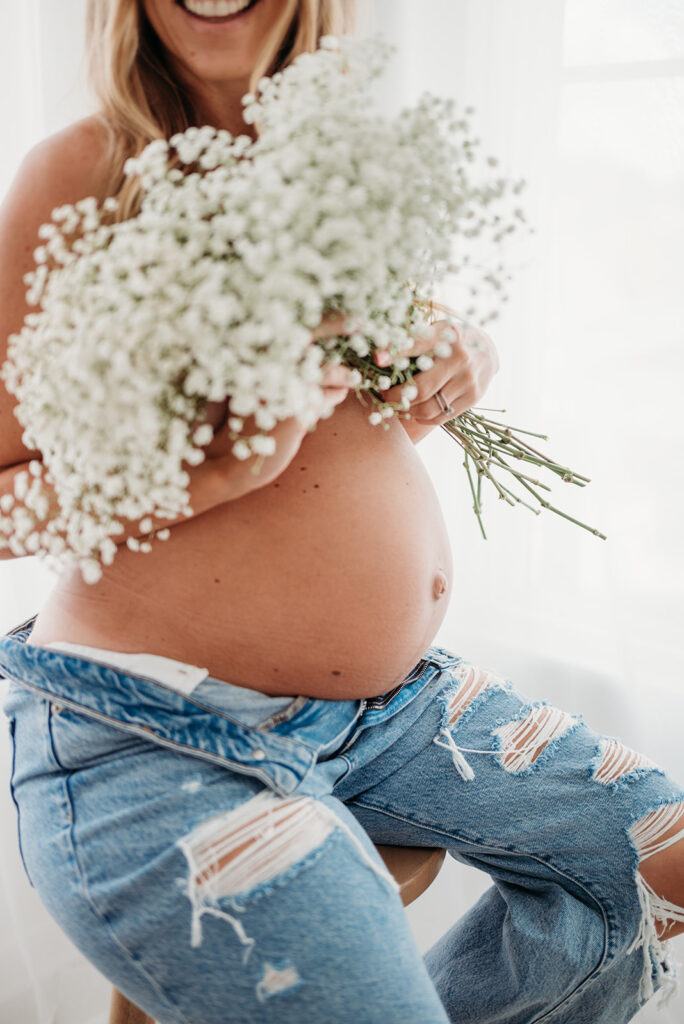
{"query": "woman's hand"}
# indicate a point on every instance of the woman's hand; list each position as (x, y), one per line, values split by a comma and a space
(462, 377)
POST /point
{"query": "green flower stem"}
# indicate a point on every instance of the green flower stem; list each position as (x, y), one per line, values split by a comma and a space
(482, 466)
(537, 511)
(484, 450)
(519, 449)
(494, 446)
(568, 474)
(545, 504)
(507, 428)
(476, 497)
(484, 441)
(519, 476)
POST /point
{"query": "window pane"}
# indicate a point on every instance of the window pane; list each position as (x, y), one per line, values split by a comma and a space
(620, 225)
(607, 31)
(626, 125)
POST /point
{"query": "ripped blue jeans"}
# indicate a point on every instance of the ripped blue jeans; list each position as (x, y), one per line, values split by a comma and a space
(210, 849)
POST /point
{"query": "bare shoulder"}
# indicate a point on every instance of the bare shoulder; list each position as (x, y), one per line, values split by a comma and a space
(62, 168)
(68, 165)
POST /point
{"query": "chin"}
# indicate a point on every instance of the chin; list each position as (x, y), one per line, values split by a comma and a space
(212, 48)
(217, 41)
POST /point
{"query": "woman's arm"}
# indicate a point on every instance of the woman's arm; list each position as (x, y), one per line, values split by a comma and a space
(61, 169)
(207, 488)
(64, 168)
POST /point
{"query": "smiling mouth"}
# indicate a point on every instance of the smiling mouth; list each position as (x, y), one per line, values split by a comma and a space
(216, 10)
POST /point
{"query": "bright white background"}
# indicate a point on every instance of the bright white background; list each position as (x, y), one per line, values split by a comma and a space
(585, 100)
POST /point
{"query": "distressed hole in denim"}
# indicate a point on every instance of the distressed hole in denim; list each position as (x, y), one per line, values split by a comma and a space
(473, 682)
(522, 741)
(238, 851)
(191, 786)
(277, 979)
(617, 760)
(655, 832)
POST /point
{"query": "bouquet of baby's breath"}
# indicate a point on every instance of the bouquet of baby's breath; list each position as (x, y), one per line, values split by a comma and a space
(238, 251)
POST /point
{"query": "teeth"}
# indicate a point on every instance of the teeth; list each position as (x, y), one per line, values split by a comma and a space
(215, 8)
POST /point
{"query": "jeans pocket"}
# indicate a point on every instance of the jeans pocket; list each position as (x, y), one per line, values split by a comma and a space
(284, 713)
(13, 755)
(81, 741)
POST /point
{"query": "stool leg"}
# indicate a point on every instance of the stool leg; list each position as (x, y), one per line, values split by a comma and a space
(123, 1011)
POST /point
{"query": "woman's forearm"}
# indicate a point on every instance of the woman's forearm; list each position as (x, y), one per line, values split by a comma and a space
(207, 488)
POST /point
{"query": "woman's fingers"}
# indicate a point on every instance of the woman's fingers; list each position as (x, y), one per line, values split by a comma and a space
(332, 324)
(337, 380)
(457, 373)
(430, 336)
(338, 376)
(460, 374)
(457, 398)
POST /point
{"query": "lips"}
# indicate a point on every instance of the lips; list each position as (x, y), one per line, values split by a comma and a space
(213, 11)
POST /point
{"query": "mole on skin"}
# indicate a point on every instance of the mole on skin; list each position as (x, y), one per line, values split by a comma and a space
(362, 577)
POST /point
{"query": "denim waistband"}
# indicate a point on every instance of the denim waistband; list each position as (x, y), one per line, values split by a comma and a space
(253, 706)
(195, 723)
(282, 750)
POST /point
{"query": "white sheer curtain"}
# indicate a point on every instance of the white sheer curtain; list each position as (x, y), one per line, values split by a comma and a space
(584, 99)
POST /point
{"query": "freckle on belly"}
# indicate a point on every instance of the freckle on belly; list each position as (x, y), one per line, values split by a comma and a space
(439, 585)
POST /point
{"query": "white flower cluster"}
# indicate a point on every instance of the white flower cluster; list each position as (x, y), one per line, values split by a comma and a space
(213, 289)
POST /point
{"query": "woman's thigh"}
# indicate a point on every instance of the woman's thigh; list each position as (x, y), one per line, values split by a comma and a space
(204, 896)
(557, 814)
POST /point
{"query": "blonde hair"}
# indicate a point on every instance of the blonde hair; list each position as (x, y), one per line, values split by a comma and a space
(139, 98)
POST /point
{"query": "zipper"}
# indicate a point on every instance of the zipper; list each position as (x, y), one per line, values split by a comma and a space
(383, 699)
(18, 629)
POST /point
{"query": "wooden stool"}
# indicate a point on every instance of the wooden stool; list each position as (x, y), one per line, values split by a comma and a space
(414, 868)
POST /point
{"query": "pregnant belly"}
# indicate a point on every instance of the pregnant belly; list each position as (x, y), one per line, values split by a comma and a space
(329, 582)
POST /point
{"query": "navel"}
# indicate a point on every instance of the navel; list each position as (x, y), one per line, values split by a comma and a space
(439, 585)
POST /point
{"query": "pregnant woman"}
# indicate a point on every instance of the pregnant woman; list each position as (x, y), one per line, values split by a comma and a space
(208, 741)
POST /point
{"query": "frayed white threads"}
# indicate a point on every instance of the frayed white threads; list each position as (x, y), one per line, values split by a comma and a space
(646, 836)
(196, 928)
(550, 723)
(617, 760)
(460, 763)
(647, 832)
(474, 681)
(541, 725)
(236, 852)
(653, 909)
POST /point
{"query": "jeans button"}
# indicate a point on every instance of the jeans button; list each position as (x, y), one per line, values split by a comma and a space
(258, 754)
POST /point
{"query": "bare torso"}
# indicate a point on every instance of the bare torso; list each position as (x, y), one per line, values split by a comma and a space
(329, 582)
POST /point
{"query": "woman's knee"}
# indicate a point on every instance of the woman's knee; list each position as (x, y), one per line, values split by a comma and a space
(659, 841)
